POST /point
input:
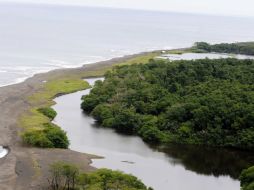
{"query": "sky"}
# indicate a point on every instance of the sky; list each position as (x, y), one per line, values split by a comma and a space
(214, 7)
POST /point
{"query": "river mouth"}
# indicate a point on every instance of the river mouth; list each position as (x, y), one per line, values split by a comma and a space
(162, 168)
(3, 151)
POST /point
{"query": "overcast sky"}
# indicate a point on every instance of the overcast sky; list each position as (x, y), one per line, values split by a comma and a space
(216, 7)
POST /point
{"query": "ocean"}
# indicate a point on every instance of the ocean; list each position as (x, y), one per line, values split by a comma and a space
(39, 38)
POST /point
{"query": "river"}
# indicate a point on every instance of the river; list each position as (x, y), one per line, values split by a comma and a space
(174, 167)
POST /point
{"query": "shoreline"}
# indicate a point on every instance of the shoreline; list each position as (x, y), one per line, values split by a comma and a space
(23, 79)
(27, 167)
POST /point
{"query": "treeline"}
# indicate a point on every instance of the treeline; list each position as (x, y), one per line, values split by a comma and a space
(65, 176)
(208, 102)
(246, 48)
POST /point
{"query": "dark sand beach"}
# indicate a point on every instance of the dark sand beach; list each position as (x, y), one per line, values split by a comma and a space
(27, 167)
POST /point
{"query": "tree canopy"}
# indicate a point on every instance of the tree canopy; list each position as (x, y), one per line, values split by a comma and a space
(247, 179)
(246, 48)
(206, 101)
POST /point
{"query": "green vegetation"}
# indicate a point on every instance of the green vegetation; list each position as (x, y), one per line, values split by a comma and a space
(49, 112)
(50, 136)
(247, 179)
(206, 101)
(55, 87)
(67, 176)
(37, 127)
(40, 114)
(140, 59)
(246, 48)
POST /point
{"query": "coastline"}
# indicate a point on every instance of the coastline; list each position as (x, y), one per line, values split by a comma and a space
(23, 79)
(26, 167)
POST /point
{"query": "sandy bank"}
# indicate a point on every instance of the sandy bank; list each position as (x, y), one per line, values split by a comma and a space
(26, 167)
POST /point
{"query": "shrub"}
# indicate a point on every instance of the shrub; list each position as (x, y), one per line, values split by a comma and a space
(49, 112)
(151, 134)
(56, 136)
(102, 112)
(37, 138)
(89, 102)
(109, 179)
(63, 176)
(50, 136)
(247, 179)
(68, 176)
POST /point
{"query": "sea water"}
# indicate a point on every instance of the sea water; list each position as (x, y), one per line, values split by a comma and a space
(39, 38)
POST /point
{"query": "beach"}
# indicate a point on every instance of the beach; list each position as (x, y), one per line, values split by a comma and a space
(27, 167)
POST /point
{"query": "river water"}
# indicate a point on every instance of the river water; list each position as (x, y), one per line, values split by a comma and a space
(174, 167)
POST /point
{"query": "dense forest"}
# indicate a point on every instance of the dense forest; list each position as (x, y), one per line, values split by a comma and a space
(208, 102)
(246, 48)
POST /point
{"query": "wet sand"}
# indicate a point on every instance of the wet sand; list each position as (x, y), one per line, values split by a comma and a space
(26, 167)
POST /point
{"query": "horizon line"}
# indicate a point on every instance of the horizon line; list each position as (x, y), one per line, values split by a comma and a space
(128, 8)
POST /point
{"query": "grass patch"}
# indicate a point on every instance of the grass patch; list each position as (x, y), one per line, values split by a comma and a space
(179, 52)
(36, 121)
(56, 87)
(140, 59)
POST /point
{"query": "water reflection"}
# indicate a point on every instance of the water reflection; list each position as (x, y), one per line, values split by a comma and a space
(210, 161)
